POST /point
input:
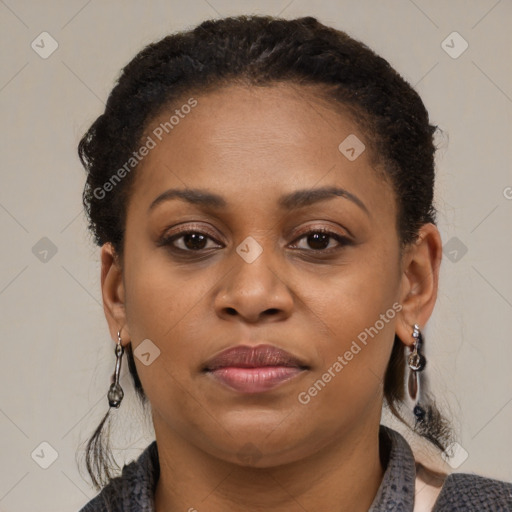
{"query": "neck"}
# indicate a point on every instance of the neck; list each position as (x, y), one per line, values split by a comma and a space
(346, 471)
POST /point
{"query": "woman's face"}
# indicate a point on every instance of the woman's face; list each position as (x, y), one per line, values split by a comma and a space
(256, 277)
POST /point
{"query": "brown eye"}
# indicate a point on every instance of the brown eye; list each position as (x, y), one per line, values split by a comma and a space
(188, 241)
(319, 240)
(194, 241)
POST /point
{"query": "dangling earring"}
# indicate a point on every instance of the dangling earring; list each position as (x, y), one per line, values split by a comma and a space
(116, 393)
(416, 362)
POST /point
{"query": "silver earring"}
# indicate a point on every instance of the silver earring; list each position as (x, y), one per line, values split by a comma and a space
(416, 362)
(116, 393)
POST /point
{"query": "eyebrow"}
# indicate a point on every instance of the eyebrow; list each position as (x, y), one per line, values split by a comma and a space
(291, 201)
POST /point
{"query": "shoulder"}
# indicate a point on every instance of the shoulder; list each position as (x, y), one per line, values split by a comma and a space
(133, 490)
(110, 499)
(468, 492)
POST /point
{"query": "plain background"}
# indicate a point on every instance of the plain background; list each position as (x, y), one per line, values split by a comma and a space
(57, 355)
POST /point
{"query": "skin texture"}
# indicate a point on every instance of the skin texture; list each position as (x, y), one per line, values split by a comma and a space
(252, 145)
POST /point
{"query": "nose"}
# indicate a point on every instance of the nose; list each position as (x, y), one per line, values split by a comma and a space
(254, 292)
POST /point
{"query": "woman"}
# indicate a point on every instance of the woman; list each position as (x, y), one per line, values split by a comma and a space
(262, 190)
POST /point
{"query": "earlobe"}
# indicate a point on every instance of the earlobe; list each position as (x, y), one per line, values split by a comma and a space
(112, 288)
(420, 279)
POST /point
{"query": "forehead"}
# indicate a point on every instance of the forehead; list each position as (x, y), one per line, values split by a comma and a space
(246, 142)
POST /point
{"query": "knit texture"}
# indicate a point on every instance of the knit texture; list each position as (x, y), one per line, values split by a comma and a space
(133, 490)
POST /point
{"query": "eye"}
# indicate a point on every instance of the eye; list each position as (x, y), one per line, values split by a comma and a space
(318, 239)
(192, 240)
(188, 241)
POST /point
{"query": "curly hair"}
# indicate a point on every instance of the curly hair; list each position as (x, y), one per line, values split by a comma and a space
(262, 51)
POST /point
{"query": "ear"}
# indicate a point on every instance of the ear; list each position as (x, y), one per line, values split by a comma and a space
(420, 277)
(112, 289)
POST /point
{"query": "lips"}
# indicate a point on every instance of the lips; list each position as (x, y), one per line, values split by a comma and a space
(254, 369)
(243, 356)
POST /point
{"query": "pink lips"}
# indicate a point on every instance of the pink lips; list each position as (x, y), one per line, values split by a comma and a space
(254, 369)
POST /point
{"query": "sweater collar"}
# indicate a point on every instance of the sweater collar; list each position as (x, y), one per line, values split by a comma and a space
(396, 492)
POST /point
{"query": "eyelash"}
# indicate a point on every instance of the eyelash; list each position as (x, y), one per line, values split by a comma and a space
(168, 240)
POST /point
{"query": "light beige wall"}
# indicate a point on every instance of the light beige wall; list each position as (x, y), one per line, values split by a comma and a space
(57, 357)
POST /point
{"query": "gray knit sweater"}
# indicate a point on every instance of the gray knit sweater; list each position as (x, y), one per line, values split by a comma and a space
(133, 491)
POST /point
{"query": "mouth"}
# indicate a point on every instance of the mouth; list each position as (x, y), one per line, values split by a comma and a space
(254, 369)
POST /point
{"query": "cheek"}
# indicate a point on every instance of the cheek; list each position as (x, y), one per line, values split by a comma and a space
(163, 307)
(348, 385)
(358, 308)
(353, 297)
(159, 294)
